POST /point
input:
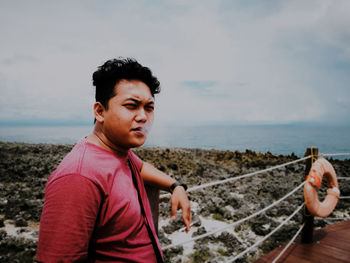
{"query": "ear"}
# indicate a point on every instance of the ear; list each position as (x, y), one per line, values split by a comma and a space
(99, 111)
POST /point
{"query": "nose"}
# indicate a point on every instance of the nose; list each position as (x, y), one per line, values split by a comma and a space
(141, 116)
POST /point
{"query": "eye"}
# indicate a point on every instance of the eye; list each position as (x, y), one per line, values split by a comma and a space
(130, 106)
(149, 108)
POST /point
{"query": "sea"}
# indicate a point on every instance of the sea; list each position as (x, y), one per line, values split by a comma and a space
(276, 139)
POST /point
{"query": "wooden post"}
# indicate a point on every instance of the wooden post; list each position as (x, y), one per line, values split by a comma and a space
(308, 219)
(153, 198)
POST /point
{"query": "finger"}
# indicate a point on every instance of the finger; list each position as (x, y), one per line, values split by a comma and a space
(187, 217)
(187, 222)
(174, 207)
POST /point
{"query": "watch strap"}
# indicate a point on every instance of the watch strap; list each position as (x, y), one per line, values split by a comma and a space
(177, 183)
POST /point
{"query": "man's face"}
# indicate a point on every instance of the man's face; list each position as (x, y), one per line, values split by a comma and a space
(129, 115)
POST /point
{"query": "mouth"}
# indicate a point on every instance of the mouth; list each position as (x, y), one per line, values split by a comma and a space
(142, 129)
(138, 130)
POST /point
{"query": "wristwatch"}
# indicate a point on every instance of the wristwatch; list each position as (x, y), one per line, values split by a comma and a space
(177, 183)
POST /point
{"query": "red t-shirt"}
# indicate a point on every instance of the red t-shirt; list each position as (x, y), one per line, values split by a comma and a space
(92, 212)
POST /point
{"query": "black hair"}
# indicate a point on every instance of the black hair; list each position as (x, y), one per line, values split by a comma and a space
(114, 70)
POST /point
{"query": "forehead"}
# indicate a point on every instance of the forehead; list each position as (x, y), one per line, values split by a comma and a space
(132, 89)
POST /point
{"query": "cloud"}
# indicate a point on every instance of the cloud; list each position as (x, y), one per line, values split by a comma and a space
(218, 61)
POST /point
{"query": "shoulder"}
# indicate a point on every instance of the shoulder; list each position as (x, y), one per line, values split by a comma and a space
(92, 162)
(138, 162)
(66, 184)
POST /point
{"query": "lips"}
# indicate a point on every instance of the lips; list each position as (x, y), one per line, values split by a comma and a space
(139, 131)
(144, 129)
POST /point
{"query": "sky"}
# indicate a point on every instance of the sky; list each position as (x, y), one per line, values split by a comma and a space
(219, 62)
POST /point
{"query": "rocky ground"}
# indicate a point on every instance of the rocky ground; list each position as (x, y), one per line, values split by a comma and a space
(24, 169)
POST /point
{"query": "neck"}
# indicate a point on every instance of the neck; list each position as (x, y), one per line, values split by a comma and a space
(104, 143)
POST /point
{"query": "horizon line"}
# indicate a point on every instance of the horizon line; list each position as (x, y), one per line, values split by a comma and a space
(90, 123)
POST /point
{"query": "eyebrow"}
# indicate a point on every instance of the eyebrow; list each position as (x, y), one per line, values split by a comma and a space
(139, 101)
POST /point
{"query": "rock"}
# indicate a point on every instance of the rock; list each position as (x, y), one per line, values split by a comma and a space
(24, 169)
(16, 249)
(173, 166)
(162, 238)
(196, 221)
(21, 222)
(3, 234)
(201, 253)
(200, 231)
(262, 225)
(172, 253)
(173, 225)
(229, 241)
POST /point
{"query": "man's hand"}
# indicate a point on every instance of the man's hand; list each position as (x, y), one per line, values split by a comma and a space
(153, 176)
(179, 200)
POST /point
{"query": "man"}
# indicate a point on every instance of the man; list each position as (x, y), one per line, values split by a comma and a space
(96, 207)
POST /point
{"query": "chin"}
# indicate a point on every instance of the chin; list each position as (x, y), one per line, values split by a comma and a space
(137, 143)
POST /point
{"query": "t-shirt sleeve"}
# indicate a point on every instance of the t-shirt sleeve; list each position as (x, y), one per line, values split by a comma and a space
(138, 162)
(69, 214)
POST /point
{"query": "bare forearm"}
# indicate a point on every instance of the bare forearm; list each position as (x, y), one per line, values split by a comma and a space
(153, 176)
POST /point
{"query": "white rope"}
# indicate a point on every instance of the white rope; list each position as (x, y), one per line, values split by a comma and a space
(288, 245)
(334, 218)
(268, 235)
(258, 212)
(344, 197)
(233, 233)
(237, 222)
(343, 178)
(194, 188)
(335, 154)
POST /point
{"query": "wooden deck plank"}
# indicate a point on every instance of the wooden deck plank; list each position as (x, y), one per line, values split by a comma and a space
(331, 244)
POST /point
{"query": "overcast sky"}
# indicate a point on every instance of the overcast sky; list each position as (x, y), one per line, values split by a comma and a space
(218, 62)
